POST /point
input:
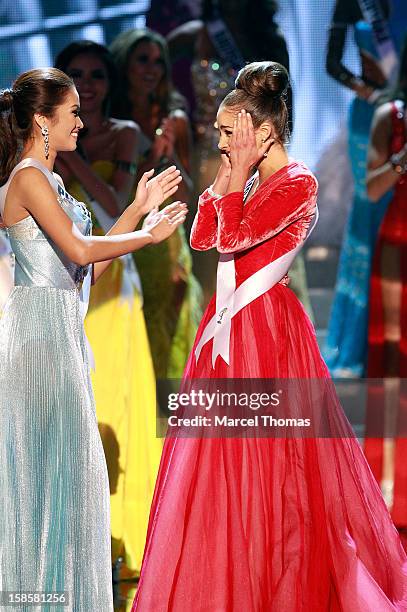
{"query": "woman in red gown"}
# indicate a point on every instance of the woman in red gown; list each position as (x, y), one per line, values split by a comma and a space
(387, 356)
(260, 523)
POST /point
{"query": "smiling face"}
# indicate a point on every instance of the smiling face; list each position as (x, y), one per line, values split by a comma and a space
(65, 124)
(90, 76)
(146, 67)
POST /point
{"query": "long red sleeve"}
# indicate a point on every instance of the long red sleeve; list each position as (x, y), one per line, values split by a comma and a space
(273, 208)
(205, 226)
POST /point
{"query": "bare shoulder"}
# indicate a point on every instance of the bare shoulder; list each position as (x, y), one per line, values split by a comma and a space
(28, 189)
(382, 117)
(384, 110)
(189, 29)
(126, 126)
(28, 181)
(181, 121)
(180, 115)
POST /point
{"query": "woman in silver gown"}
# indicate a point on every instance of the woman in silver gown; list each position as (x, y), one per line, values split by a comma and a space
(54, 489)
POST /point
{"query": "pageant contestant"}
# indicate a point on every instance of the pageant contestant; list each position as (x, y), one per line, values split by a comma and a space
(54, 488)
(387, 356)
(265, 523)
(346, 345)
(171, 292)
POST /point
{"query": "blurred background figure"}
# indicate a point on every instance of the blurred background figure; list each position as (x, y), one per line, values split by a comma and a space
(219, 43)
(346, 344)
(172, 295)
(101, 173)
(387, 353)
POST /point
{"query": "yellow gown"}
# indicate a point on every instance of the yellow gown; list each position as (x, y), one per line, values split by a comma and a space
(125, 394)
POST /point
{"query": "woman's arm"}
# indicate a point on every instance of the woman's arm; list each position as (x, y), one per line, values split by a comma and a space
(381, 176)
(277, 208)
(39, 200)
(205, 226)
(113, 198)
(182, 40)
(344, 16)
(150, 194)
(183, 139)
(182, 150)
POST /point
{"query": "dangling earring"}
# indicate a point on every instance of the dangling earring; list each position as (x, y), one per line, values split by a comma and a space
(44, 132)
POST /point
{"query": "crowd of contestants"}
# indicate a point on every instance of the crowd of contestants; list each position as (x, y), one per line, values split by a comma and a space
(144, 312)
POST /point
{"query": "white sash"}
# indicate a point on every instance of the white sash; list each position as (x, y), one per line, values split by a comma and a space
(229, 300)
(372, 13)
(224, 43)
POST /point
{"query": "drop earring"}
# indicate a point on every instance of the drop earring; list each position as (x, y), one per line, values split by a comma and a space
(45, 133)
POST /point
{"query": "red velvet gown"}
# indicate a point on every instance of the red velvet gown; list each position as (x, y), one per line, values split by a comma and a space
(387, 356)
(268, 524)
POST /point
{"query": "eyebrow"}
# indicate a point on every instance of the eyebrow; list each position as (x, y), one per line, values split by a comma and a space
(75, 106)
(220, 127)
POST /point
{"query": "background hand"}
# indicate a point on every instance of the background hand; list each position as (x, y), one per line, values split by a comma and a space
(164, 141)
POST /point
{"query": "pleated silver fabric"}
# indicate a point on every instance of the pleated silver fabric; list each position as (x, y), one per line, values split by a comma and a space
(54, 488)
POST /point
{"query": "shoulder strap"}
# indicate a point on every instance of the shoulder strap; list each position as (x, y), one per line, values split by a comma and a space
(26, 163)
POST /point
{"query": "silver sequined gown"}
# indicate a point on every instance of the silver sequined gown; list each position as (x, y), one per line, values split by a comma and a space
(54, 489)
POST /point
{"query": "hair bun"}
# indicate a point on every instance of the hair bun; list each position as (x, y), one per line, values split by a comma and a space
(6, 100)
(263, 80)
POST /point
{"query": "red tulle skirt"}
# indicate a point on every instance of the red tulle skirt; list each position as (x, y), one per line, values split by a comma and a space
(264, 524)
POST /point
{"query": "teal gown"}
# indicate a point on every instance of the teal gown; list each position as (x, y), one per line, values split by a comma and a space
(54, 488)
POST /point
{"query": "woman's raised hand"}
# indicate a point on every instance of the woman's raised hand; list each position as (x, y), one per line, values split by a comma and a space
(152, 192)
(244, 152)
(161, 224)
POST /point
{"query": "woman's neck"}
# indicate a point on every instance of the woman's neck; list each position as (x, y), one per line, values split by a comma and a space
(35, 150)
(276, 159)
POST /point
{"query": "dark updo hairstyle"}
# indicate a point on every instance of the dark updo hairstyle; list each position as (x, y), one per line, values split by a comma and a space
(36, 91)
(261, 90)
(88, 47)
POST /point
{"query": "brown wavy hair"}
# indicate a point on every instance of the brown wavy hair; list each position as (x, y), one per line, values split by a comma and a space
(36, 91)
(167, 98)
